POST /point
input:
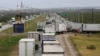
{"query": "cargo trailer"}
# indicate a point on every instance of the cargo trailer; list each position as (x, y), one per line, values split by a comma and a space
(51, 42)
(18, 28)
(52, 54)
(35, 35)
(26, 17)
(48, 36)
(61, 27)
(27, 47)
(91, 27)
(13, 19)
(49, 28)
(52, 49)
(76, 27)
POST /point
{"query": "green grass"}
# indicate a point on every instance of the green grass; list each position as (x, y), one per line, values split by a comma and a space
(3, 23)
(32, 25)
(7, 43)
(82, 41)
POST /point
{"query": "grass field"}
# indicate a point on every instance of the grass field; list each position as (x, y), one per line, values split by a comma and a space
(32, 25)
(81, 41)
(7, 43)
(3, 23)
(9, 40)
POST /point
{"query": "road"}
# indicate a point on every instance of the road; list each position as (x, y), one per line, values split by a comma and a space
(4, 27)
(67, 45)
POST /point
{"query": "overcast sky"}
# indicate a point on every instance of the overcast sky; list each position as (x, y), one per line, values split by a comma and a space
(50, 3)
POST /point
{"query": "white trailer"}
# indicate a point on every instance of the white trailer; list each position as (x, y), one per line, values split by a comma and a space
(91, 27)
(27, 47)
(51, 42)
(32, 35)
(36, 36)
(26, 17)
(58, 20)
(68, 25)
(61, 27)
(13, 19)
(49, 28)
(52, 49)
(52, 54)
(48, 36)
(76, 26)
(11, 22)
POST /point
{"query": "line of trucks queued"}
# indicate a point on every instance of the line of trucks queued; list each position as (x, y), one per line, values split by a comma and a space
(43, 42)
(62, 25)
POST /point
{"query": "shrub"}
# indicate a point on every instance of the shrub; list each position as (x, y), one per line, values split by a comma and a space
(91, 47)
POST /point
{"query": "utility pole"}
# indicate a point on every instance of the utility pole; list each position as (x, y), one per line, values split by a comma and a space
(20, 7)
(75, 17)
(82, 17)
(92, 16)
(78, 18)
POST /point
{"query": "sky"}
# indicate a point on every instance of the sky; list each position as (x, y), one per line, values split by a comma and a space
(49, 3)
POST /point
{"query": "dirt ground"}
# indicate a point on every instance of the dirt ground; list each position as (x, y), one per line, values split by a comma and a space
(66, 43)
(14, 51)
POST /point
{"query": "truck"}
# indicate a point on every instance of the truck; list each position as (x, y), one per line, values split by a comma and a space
(91, 27)
(27, 47)
(51, 48)
(27, 17)
(48, 37)
(76, 27)
(61, 27)
(52, 54)
(13, 19)
(49, 28)
(40, 26)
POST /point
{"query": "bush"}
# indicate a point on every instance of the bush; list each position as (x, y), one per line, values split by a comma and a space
(91, 47)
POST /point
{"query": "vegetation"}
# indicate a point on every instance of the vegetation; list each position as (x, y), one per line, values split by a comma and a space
(85, 16)
(32, 25)
(7, 43)
(91, 47)
(81, 41)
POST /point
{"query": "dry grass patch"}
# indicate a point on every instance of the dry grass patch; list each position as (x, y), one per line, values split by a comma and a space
(81, 41)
